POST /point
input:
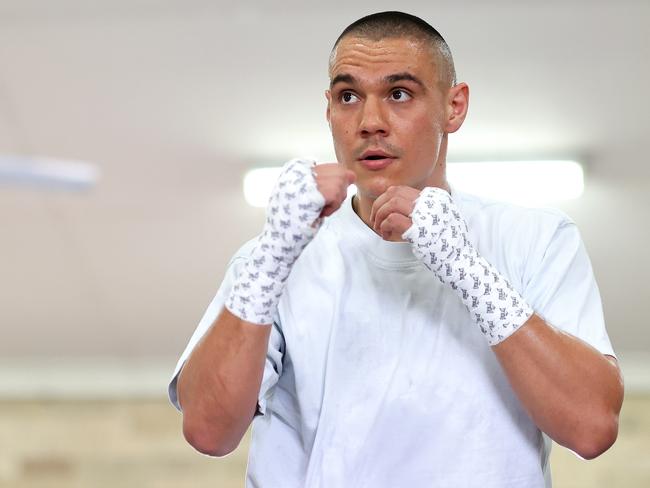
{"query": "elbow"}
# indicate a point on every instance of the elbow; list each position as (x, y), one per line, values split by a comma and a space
(208, 441)
(603, 432)
(598, 440)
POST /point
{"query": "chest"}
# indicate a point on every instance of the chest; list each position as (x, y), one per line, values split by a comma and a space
(356, 330)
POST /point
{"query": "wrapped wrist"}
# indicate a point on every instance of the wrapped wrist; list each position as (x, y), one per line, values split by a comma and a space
(292, 220)
(439, 238)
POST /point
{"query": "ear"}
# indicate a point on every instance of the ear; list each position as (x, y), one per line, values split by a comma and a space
(328, 95)
(457, 105)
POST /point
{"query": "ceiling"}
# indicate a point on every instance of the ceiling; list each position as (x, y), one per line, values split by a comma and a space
(174, 100)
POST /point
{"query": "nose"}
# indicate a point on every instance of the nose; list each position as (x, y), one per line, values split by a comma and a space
(373, 119)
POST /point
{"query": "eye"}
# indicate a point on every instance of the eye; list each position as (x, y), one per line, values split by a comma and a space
(348, 97)
(399, 95)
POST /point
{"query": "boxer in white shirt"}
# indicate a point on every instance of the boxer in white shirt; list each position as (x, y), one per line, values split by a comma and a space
(412, 335)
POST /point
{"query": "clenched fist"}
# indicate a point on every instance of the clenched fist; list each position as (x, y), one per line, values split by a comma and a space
(332, 180)
(390, 215)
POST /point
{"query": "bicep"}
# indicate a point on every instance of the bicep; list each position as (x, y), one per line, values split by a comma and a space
(559, 284)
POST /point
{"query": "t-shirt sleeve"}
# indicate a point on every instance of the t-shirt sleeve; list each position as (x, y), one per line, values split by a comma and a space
(275, 351)
(559, 284)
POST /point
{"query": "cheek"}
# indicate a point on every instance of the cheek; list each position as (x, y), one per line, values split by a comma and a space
(340, 136)
(340, 130)
(426, 133)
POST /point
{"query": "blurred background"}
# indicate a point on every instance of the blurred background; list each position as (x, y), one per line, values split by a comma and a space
(105, 273)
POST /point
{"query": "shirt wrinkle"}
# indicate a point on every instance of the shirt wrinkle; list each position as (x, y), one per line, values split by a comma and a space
(377, 376)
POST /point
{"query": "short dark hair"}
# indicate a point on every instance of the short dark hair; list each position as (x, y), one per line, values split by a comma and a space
(393, 24)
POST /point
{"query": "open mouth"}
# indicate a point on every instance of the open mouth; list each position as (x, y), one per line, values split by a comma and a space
(375, 160)
(375, 155)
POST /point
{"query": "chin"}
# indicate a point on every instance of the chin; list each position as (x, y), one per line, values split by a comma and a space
(373, 187)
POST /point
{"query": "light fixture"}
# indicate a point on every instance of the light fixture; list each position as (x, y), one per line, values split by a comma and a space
(47, 173)
(521, 182)
(258, 185)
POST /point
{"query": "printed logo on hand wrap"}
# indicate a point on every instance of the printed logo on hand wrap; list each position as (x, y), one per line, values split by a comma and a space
(292, 220)
(439, 239)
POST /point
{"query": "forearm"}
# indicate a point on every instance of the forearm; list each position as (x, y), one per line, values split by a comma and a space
(570, 390)
(219, 384)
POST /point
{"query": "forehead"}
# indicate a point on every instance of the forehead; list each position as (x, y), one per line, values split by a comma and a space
(363, 57)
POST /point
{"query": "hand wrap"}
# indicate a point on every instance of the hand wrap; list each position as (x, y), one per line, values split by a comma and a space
(292, 220)
(439, 239)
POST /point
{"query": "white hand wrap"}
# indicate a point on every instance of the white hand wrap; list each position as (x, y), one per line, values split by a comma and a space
(292, 220)
(439, 239)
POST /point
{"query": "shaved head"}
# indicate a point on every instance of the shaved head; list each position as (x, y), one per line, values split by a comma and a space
(391, 25)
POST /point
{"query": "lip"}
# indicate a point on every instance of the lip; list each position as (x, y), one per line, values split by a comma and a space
(381, 162)
(376, 164)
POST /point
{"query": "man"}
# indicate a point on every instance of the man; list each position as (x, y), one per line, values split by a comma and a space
(412, 335)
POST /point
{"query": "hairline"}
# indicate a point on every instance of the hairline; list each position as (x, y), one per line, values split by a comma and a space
(446, 77)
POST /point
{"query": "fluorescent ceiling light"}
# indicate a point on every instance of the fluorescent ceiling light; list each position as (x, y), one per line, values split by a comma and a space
(47, 173)
(259, 183)
(521, 182)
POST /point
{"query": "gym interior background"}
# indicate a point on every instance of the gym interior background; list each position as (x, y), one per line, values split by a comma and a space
(105, 272)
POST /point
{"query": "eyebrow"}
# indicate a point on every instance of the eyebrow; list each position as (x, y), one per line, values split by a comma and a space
(388, 80)
(404, 76)
(342, 78)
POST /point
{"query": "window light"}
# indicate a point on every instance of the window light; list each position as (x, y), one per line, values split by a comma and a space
(521, 182)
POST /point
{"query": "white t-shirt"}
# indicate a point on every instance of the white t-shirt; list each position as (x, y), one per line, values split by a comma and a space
(376, 375)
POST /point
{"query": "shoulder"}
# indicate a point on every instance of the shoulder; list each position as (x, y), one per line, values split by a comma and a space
(512, 222)
(240, 256)
(518, 240)
(245, 249)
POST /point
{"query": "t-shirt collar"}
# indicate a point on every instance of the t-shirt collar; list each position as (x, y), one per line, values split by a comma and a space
(373, 244)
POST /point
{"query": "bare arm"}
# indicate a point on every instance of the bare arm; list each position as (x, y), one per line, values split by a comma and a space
(219, 384)
(571, 391)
